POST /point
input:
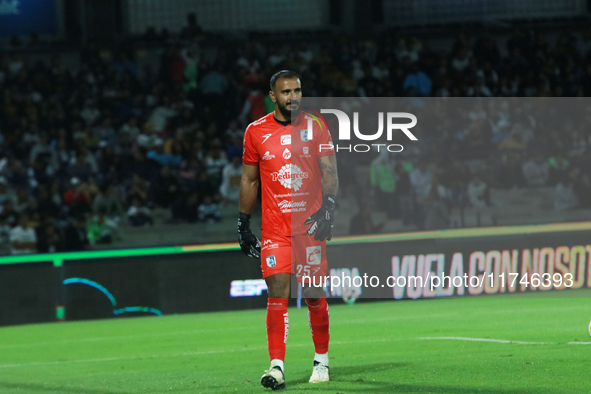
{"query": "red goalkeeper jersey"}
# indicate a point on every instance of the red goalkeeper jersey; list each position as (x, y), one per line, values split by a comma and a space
(287, 157)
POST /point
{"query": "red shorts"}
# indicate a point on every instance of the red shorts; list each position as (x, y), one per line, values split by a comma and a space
(301, 255)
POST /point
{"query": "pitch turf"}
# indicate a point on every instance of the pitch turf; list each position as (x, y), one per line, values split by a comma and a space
(375, 348)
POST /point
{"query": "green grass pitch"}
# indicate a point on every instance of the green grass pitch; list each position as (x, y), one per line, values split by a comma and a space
(375, 348)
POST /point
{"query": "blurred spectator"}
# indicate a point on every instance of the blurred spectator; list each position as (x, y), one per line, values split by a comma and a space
(24, 203)
(209, 211)
(75, 235)
(139, 189)
(139, 165)
(362, 223)
(204, 187)
(185, 209)
(215, 161)
(77, 198)
(105, 132)
(234, 148)
(559, 166)
(437, 214)
(478, 193)
(233, 131)
(23, 238)
(420, 179)
(160, 115)
(192, 30)
(99, 231)
(90, 112)
(83, 165)
(403, 201)
(536, 171)
(46, 205)
(191, 68)
(189, 171)
(418, 81)
(383, 182)
(179, 145)
(64, 156)
(129, 132)
(44, 152)
(565, 196)
(231, 176)
(213, 87)
(158, 155)
(6, 193)
(107, 201)
(138, 214)
(254, 106)
(165, 189)
(148, 136)
(581, 186)
(510, 172)
(5, 246)
(49, 239)
(9, 215)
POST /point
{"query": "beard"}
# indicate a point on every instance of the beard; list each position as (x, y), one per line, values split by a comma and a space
(288, 114)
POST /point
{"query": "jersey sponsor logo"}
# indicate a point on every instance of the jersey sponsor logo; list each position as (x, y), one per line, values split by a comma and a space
(286, 154)
(291, 206)
(260, 121)
(267, 156)
(268, 244)
(314, 254)
(305, 150)
(290, 176)
(305, 135)
(286, 139)
(266, 137)
(271, 261)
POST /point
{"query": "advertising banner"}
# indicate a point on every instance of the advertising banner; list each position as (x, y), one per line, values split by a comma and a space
(490, 265)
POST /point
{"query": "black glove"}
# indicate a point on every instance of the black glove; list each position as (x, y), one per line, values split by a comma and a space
(323, 221)
(249, 243)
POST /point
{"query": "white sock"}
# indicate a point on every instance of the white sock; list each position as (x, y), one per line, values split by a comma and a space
(321, 358)
(277, 363)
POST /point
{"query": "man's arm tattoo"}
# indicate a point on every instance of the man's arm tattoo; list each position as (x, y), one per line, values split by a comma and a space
(330, 178)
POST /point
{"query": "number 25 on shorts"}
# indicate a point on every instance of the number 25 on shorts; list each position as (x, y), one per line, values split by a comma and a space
(302, 269)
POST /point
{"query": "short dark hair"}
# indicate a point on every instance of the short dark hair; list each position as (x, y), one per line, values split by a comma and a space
(282, 74)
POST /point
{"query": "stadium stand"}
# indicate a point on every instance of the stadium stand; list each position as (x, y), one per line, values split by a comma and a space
(95, 141)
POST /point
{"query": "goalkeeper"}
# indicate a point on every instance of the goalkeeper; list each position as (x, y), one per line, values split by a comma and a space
(297, 217)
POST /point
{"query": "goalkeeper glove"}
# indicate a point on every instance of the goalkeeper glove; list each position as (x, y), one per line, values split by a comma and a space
(249, 243)
(323, 221)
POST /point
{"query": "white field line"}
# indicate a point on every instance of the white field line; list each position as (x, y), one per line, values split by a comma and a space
(173, 355)
(487, 312)
(579, 343)
(120, 337)
(489, 340)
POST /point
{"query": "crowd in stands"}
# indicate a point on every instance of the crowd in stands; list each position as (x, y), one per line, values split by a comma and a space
(83, 149)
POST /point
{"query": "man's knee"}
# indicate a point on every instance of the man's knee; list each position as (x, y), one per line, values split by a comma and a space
(278, 285)
(312, 294)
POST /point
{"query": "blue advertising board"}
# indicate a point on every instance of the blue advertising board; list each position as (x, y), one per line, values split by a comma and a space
(24, 17)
